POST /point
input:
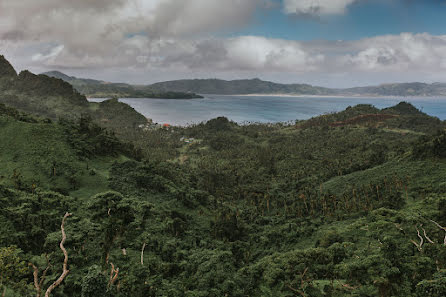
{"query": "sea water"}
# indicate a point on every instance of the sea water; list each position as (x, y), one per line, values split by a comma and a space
(264, 109)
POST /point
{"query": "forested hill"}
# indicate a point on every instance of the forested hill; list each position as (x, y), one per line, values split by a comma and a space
(101, 89)
(401, 89)
(248, 86)
(54, 98)
(346, 204)
(257, 86)
(190, 88)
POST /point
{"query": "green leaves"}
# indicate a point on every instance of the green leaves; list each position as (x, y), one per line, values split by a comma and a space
(256, 210)
(14, 270)
(95, 283)
(435, 287)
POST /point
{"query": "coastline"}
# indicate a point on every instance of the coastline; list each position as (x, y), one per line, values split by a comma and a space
(333, 96)
(294, 95)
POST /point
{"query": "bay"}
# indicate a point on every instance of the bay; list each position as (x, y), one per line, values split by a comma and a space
(264, 109)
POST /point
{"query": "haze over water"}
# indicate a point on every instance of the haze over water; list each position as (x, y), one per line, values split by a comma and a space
(264, 109)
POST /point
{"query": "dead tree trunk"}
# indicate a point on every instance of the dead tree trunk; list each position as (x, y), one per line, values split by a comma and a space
(38, 284)
(65, 270)
(418, 245)
(442, 228)
(113, 275)
(425, 235)
(142, 253)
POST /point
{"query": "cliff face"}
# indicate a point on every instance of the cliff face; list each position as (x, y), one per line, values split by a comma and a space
(6, 69)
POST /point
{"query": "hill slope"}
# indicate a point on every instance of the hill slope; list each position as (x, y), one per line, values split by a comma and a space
(248, 86)
(101, 89)
(257, 86)
(6, 69)
(312, 209)
(347, 204)
(55, 98)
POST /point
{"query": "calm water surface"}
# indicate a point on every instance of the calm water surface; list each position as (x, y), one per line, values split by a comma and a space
(264, 109)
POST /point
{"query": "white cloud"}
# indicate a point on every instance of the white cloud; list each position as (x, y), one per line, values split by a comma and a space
(53, 53)
(107, 20)
(113, 32)
(251, 52)
(383, 58)
(316, 7)
(179, 17)
(244, 53)
(181, 36)
(399, 52)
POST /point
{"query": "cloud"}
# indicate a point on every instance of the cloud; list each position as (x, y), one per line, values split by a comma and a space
(108, 20)
(53, 53)
(111, 32)
(244, 53)
(259, 53)
(179, 17)
(399, 52)
(184, 36)
(316, 7)
(391, 57)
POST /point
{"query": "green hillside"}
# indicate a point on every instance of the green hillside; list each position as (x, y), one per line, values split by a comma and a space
(189, 88)
(401, 89)
(54, 98)
(326, 207)
(257, 86)
(245, 86)
(346, 204)
(101, 89)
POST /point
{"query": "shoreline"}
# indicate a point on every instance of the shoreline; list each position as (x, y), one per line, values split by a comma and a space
(334, 96)
(206, 96)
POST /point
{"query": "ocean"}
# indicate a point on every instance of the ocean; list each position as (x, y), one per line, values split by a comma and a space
(264, 109)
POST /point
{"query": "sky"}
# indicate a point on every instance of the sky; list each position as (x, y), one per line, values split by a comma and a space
(332, 43)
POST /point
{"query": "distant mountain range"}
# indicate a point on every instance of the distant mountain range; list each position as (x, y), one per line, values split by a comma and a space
(257, 86)
(245, 86)
(101, 89)
(189, 88)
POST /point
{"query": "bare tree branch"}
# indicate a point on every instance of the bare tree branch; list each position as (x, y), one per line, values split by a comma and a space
(113, 275)
(398, 226)
(442, 228)
(48, 265)
(38, 284)
(418, 245)
(142, 253)
(36, 279)
(425, 235)
(420, 237)
(296, 291)
(65, 270)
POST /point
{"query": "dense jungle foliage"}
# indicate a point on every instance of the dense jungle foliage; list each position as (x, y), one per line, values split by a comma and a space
(345, 204)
